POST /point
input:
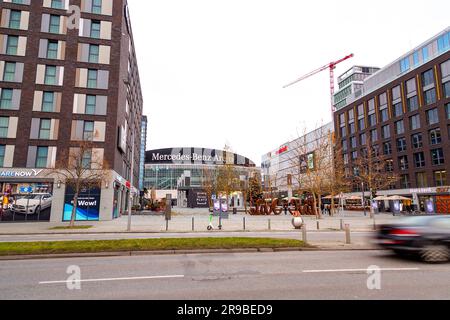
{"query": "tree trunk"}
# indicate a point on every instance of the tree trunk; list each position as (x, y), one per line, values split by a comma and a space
(245, 202)
(316, 212)
(74, 210)
(332, 206)
(319, 199)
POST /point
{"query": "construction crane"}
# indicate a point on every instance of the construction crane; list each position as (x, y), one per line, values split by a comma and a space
(331, 66)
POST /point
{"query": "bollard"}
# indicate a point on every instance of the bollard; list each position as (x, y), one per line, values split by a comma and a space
(193, 224)
(348, 239)
(243, 221)
(270, 225)
(374, 224)
(318, 225)
(342, 224)
(167, 225)
(304, 234)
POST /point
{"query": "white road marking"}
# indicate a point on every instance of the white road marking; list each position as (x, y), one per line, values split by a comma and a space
(359, 270)
(115, 279)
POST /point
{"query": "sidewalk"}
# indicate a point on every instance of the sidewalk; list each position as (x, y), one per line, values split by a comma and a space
(193, 221)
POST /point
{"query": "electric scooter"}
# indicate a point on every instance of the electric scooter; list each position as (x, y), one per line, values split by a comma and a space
(211, 226)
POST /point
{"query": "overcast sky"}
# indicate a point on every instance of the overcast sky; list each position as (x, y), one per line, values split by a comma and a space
(212, 71)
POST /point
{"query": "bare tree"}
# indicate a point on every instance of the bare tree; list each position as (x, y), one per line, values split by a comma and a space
(209, 184)
(227, 180)
(312, 165)
(372, 170)
(84, 168)
(340, 180)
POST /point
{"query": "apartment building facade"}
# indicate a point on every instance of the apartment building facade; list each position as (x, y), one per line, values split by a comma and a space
(65, 80)
(403, 112)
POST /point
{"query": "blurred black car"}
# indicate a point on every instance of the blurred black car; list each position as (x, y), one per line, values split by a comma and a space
(425, 236)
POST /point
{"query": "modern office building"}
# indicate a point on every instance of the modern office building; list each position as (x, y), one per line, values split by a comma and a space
(350, 82)
(144, 131)
(181, 172)
(281, 166)
(64, 80)
(403, 111)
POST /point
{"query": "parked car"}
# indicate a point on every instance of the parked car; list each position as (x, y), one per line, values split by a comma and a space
(33, 203)
(425, 236)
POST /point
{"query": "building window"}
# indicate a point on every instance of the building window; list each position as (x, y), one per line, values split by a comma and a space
(414, 122)
(50, 75)
(362, 124)
(95, 29)
(88, 130)
(401, 145)
(94, 51)
(387, 147)
(97, 6)
(4, 127)
(2, 155)
(9, 73)
(430, 96)
(417, 141)
(48, 99)
(440, 178)
(413, 104)
(353, 142)
(14, 19)
(54, 23)
(354, 155)
(447, 108)
(6, 99)
(384, 115)
(12, 45)
(86, 160)
(428, 78)
(92, 79)
(435, 137)
(57, 4)
(344, 146)
(404, 65)
(400, 127)
(421, 179)
(444, 42)
(390, 165)
(398, 109)
(432, 116)
(374, 135)
(41, 157)
(404, 181)
(386, 132)
(45, 126)
(419, 160)
(403, 163)
(52, 49)
(446, 87)
(437, 156)
(371, 113)
(363, 139)
(91, 102)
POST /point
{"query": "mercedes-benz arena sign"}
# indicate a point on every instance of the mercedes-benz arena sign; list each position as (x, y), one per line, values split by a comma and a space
(196, 156)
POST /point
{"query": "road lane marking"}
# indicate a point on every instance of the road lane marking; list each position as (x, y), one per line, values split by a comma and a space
(359, 270)
(115, 279)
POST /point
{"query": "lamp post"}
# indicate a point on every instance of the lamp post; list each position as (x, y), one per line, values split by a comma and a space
(363, 202)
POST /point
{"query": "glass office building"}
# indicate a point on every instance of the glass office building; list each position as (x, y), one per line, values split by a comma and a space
(180, 171)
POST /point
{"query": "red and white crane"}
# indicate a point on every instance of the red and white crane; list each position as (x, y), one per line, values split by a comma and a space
(331, 66)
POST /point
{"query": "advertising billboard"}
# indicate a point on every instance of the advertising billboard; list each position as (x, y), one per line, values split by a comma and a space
(88, 208)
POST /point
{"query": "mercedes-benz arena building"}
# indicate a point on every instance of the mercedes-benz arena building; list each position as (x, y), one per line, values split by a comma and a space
(180, 172)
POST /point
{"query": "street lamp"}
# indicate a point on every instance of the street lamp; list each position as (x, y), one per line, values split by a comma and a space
(363, 202)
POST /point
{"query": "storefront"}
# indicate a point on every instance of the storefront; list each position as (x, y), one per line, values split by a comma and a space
(31, 195)
(26, 195)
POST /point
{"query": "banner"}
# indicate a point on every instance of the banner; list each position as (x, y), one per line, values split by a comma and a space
(88, 208)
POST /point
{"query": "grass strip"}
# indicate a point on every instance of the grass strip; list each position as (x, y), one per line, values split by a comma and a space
(61, 247)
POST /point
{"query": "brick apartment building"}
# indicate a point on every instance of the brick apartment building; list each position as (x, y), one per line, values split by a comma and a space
(403, 110)
(60, 85)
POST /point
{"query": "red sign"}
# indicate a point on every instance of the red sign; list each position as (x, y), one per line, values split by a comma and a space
(282, 150)
(128, 184)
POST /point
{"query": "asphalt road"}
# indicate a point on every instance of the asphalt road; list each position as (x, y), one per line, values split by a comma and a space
(290, 275)
(313, 236)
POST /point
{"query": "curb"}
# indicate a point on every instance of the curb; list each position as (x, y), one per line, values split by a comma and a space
(176, 232)
(175, 252)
